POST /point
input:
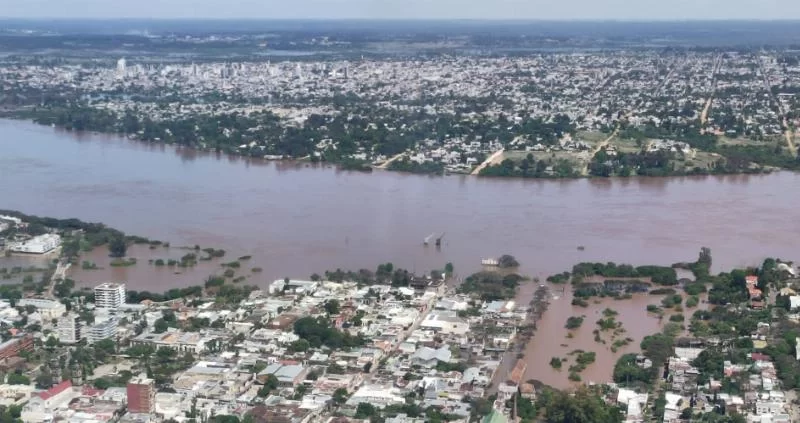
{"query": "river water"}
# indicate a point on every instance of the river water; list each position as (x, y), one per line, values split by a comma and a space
(297, 219)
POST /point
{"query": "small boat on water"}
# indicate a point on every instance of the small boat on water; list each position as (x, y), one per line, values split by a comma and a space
(490, 262)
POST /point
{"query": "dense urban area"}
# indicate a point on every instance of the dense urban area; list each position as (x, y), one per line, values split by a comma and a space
(542, 114)
(387, 344)
(383, 345)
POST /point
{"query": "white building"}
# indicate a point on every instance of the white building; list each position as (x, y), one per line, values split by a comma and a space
(293, 286)
(446, 322)
(377, 395)
(37, 245)
(103, 330)
(109, 295)
(48, 309)
(10, 219)
(122, 67)
(69, 329)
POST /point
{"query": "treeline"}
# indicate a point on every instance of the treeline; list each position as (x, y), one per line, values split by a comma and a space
(660, 275)
(610, 288)
(490, 286)
(739, 158)
(385, 274)
(319, 332)
(658, 163)
(529, 167)
(406, 165)
(222, 292)
(673, 131)
(95, 233)
(92, 234)
(360, 127)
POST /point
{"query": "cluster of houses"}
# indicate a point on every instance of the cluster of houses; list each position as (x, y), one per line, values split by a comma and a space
(418, 343)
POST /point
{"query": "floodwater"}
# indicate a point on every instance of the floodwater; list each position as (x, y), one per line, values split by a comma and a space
(551, 337)
(297, 219)
(145, 269)
(24, 261)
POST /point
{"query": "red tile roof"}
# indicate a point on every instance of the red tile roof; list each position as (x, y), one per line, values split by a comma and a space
(61, 387)
(91, 392)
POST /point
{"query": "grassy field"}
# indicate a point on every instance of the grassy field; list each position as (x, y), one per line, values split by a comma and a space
(591, 137)
(747, 141)
(702, 160)
(517, 156)
(626, 145)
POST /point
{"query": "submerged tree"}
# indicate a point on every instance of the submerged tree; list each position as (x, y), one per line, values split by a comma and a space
(505, 261)
(117, 246)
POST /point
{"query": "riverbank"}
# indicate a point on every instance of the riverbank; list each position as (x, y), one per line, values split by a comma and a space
(724, 160)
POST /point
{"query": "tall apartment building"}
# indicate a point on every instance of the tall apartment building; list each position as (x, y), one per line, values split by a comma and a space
(69, 329)
(141, 395)
(102, 330)
(109, 295)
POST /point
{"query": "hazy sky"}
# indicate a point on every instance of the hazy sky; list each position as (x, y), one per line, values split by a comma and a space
(405, 9)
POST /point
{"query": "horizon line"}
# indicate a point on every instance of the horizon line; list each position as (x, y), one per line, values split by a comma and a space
(386, 19)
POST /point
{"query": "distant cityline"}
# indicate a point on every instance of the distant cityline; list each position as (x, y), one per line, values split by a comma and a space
(347, 20)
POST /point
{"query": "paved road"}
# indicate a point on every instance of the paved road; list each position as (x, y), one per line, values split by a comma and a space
(414, 326)
(59, 274)
(707, 108)
(784, 122)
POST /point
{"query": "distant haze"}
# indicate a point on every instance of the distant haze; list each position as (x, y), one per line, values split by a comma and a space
(406, 9)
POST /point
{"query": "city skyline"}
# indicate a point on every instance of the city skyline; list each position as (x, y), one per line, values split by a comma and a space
(408, 9)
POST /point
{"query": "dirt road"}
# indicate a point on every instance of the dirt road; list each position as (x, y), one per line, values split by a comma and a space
(494, 159)
(386, 164)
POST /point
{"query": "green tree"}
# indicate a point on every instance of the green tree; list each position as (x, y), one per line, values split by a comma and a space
(117, 246)
(657, 348)
(365, 410)
(332, 307)
(582, 407)
(17, 379)
(711, 364)
(270, 384)
(340, 396)
(51, 343)
(299, 392)
(102, 383)
(301, 345)
(160, 326)
(627, 371)
(44, 380)
(103, 348)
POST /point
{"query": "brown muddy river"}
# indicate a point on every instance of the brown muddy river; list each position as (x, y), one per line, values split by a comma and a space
(297, 219)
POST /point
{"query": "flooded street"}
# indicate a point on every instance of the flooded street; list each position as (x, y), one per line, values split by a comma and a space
(297, 219)
(551, 337)
(145, 269)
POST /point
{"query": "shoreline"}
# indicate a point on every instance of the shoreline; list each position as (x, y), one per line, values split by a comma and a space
(490, 161)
